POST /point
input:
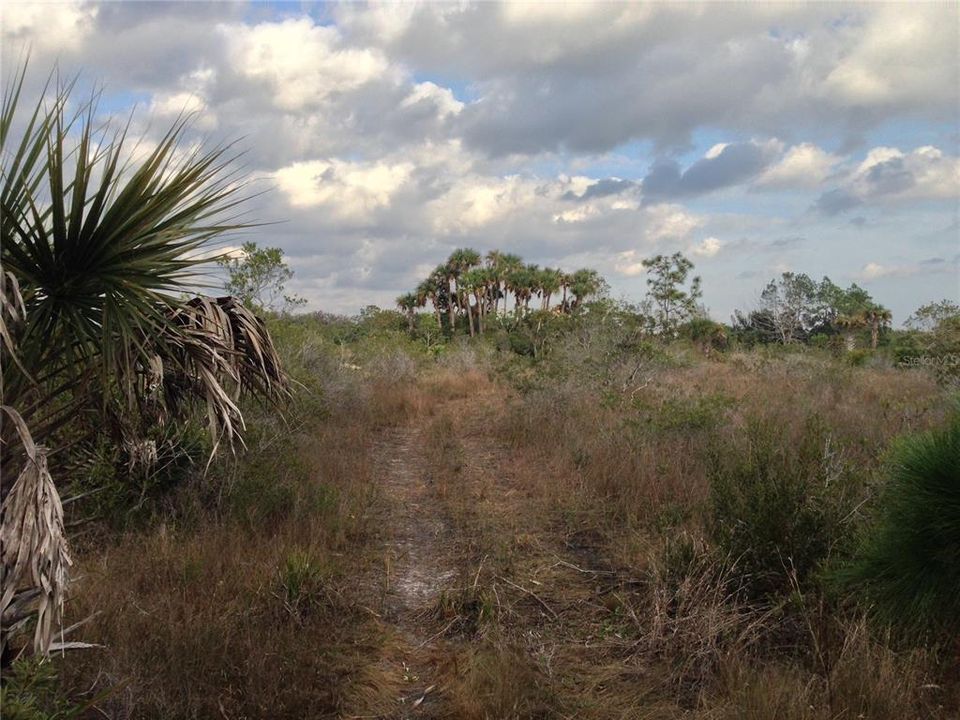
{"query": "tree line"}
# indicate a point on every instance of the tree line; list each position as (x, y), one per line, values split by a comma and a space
(468, 289)
(795, 308)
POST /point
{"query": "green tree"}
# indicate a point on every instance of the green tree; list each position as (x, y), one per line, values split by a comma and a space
(673, 304)
(550, 283)
(878, 318)
(258, 276)
(935, 317)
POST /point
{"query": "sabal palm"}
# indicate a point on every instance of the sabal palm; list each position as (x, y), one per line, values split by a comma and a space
(550, 281)
(584, 283)
(427, 290)
(877, 317)
(97, 253)
(509, 263)
(408, 303)
(459, 262)
(848, 325)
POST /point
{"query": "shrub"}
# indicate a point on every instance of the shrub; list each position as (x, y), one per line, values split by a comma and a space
(906, 567)
(31, 691)
(776, 504)
(858, 358)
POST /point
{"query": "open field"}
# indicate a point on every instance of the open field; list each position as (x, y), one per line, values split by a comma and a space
(473, 535)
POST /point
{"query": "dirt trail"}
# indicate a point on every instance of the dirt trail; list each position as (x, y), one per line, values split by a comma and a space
(416, 570)
(478, 525)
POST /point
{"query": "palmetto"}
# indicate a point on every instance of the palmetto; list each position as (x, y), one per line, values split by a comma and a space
(98, 252)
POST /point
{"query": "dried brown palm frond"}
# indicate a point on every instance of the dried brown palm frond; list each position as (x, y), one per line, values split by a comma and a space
(12, 310)
(254, 358)
(217, 350)
(35, 556)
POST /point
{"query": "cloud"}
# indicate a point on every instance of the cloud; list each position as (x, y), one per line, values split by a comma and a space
(706, 248)
(888, 174)
(347, 190)
(66, 29)
(834, 202)
(928, 266)
(722, 166)
(587, 78)
(601, 188)
(301, 62)
(803, 166)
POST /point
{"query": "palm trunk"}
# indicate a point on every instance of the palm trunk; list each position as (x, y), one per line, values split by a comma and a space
(563, 305)
(479, 313)
(450, 312)
(874, 334)
(436, 310)
(469, 314)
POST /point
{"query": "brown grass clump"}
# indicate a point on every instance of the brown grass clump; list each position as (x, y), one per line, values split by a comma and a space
(494, 680)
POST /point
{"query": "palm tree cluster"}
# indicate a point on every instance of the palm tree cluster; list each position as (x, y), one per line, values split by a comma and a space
(478, 288)
(98, 333)
(873, 316)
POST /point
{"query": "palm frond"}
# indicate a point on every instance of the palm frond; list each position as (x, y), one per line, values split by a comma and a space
(35, 556)
(221, 349)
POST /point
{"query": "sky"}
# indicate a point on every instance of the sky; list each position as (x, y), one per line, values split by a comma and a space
(755, 138)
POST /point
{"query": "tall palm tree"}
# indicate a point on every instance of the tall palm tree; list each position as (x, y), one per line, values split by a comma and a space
(459, 262)
(442, 278)
(494, 267)
(471, 282)
(877, 317)
(550, 280)
(849, 324)
(565, 280)
(509, 263)
(97, 253)
(408, 304)
(427, 290)
(584, 283)
(533, 280)
(522, 282)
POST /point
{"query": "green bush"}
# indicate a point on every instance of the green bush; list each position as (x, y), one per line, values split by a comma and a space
(858, 358)
(907, 566)
(777, 503)
(117, 489)
(31, 691)
(681, 414)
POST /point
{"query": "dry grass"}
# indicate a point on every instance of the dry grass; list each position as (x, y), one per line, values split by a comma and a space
(586, 581)
(253, 609)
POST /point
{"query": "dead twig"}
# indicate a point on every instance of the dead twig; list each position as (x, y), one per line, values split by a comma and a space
(531, 594)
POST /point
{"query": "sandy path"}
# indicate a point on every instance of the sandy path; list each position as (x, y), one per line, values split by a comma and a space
(417, 568)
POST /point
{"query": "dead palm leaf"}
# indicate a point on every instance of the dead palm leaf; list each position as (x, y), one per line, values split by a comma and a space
(35, 558)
